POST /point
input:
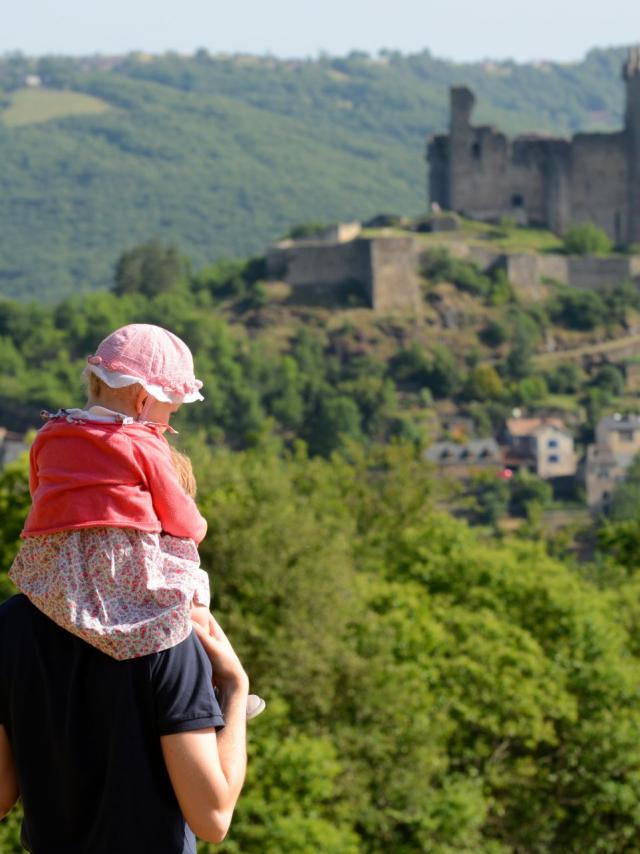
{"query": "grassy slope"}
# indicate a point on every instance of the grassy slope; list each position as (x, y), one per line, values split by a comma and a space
(223, 156)
(34, 106)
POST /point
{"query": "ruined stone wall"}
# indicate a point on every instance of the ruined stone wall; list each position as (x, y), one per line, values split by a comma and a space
(554, 268)
(557, 190)
(490, 176)
(479, 162)
(598, 183)
(527, 271)
(394, 279)
(439, 165)
(308, 264)
(594, 178)
(385, 267)
(524, 272)
(525, 185)
(596, 274)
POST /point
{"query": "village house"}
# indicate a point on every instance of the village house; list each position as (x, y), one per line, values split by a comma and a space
(464, 459)
(540, 445)
(617, 443)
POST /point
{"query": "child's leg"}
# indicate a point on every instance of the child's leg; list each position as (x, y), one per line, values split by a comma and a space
(200, 614)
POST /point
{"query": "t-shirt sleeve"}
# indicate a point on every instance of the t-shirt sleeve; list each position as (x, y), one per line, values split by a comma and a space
(183, 691)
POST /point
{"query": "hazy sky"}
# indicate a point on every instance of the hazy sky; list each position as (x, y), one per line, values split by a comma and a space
(458, 29)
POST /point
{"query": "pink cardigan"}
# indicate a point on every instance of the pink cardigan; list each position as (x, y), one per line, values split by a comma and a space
(91, 473)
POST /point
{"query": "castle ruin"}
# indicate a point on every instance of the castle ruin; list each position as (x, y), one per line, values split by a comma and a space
(384, 268)
(557, 183)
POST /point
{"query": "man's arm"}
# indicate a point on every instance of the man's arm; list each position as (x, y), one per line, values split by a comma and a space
(8, 779)
(206, 768)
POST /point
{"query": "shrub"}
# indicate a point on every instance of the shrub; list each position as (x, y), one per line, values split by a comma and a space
(493, 334)
(440, 266)
(307, 229)
(609, 378)
(586, 239)
(565, 379)
(582, 310)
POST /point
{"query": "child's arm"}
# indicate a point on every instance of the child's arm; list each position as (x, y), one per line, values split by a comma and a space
(176, 511)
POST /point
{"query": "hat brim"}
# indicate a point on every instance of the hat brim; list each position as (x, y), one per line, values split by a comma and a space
(114, 379)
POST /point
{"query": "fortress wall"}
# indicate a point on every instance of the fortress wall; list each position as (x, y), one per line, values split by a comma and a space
(484, 258)
(598, 273)
(524, 273)
(328, 264)
(598, 182)
(438, 159)
(479, 161)
(394, 278)
(554, 267)
(556, 171)
(386, 267)
(524, 186)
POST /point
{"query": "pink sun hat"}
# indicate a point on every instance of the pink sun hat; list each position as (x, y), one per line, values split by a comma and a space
(150, 355)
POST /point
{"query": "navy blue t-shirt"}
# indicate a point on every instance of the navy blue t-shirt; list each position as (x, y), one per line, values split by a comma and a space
(85, 732)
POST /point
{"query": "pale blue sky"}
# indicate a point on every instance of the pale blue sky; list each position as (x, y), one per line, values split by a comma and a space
(464, 30)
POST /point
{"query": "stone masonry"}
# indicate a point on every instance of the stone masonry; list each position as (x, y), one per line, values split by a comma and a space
(594, 177)
(384, 267)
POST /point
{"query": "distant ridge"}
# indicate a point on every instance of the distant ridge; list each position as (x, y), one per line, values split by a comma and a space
(221, 155)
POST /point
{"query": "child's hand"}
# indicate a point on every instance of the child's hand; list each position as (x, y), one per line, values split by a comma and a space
(202, 616)
(228, 672)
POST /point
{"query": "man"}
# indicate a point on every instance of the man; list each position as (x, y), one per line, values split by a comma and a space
(118, 757)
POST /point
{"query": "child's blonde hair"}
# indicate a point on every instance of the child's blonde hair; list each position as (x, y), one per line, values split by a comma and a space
(96, 386)
(184, 470)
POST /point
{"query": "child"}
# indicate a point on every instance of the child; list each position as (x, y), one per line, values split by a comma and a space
(109, 546)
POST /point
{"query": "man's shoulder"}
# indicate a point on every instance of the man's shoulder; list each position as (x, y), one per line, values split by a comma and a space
(17, 607)
(19, 616)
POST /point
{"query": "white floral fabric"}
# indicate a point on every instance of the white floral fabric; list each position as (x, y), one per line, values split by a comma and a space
(126, 592)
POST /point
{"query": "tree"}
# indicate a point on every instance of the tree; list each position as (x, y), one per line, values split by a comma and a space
(336, 419)
(484, 383)
(150, 269)
(489, 498)
(565, 379)
(494, 333)
(610, 379)
(528, 493)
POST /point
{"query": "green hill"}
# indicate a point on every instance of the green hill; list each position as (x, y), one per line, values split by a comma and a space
(34, 106)
(223, 154)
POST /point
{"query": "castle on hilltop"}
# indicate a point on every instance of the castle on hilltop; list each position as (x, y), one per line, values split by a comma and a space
(593, 177)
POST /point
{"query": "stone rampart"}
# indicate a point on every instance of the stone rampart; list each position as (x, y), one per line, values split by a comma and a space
(309, 264)
(528, 272)
(385, 268)
(394, 280)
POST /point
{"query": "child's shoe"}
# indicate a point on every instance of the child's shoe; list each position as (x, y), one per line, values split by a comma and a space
(255, 705)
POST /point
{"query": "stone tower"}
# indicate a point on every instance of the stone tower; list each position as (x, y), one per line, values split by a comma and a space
(631, 75)
(462, 102)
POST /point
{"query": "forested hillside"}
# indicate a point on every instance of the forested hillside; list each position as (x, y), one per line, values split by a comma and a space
(435, 684)
(431, 688)
(224, 154)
